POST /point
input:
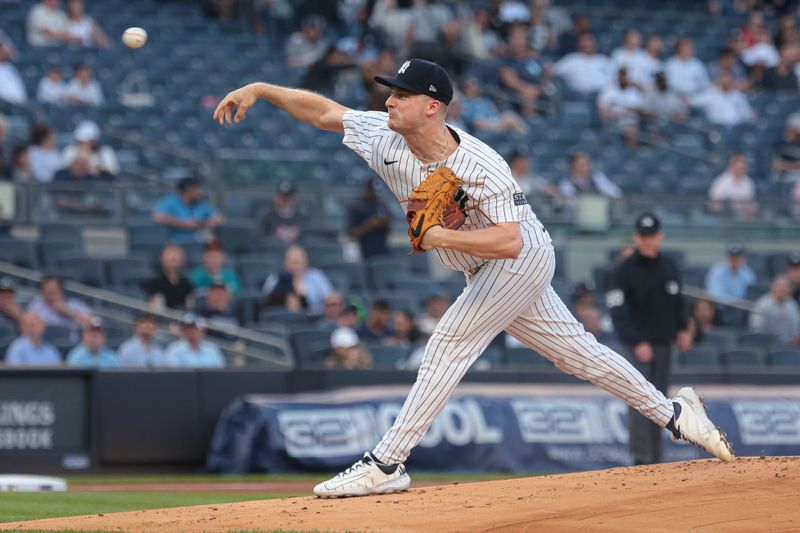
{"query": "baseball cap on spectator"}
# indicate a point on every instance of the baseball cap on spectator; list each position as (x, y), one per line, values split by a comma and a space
(736, 249)
(6, 285)
(188, 182)
(344, 338)
(648, 224)
(421, 77)
(191, 320)
(794, 259)
(286, 188)
(95, 323)
(582, 289)
(87, 131)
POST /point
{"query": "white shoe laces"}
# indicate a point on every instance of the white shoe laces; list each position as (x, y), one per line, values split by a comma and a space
(353, 468)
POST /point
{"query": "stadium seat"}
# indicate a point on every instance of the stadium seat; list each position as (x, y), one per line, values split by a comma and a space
(758, 341)
(86, 270)
(784, 358)
(524, 357)
(305, 341)
(699, 357)
(383, 272)
(255, 271)
(61, 233)
(19, 252)
(741, 357)
(387, 357)
(354, 272)
(281, 316)
(128, 270)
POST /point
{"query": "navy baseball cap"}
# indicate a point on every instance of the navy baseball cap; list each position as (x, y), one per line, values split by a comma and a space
(422, 77)
(648, 224)
(736, 249)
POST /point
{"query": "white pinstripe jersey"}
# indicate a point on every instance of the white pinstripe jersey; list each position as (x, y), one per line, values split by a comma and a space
(489, 183)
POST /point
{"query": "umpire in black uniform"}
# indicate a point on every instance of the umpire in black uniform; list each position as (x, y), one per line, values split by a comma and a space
(647, 310)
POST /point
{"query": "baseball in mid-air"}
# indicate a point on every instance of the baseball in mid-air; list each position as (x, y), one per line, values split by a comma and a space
(134, 37)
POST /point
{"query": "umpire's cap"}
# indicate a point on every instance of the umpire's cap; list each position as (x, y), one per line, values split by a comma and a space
(423, 77)
(648, 224)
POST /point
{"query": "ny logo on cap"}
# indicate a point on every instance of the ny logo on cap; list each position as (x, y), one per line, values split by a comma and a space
(404, 67)
(432, 89)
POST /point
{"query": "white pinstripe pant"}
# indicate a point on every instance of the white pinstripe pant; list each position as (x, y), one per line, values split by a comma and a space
(515, 296)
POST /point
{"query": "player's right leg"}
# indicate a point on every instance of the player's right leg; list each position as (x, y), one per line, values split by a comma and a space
(550, 329)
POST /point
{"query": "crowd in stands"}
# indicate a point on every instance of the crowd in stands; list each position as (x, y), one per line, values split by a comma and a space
(536, 52)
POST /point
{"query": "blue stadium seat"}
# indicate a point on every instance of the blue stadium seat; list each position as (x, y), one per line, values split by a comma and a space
(83, 269)
(305, 341)
(784, 358)
(128, 270)
(698, 356)
(387, 357)
(19, 252)
(742, 358)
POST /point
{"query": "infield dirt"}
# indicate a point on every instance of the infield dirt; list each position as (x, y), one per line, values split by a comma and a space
(749, 494)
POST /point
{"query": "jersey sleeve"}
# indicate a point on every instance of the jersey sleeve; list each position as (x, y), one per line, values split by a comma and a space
(361, 129)
(501, 199)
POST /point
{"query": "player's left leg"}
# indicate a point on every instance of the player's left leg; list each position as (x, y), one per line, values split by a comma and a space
(550, 329)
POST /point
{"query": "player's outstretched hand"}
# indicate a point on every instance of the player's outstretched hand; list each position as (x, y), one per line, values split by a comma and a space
(242, 99)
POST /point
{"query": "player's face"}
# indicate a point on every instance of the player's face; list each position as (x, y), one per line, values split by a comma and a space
(407, 110)
(649, 245)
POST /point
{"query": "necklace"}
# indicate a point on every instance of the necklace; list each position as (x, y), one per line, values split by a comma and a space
(441, 157)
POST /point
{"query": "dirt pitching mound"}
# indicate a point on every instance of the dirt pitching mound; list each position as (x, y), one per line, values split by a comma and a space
(750, 494)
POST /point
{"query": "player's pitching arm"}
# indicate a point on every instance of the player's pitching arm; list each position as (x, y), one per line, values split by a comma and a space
(311, 108)
(501, 241)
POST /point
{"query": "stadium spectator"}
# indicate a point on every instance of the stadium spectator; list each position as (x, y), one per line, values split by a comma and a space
(214, 271)
(584, 306)
(704, 318)
(298, 285)
(723, 104)
(55, 308)
(585, 179)
(751, 29)
(186, 214)
(735, 188)
(170, 288)
(47, 24)
(12, 88)
(305, 47)
(777, 313)
(433, 33)
(435, 307)
(763, 54)
(78, 173)
(52, 88)
(8, 44)
(555, 17)
(620, 105)
(102, 158)
(520, 71)
(347, 353)
(92, 351)
(10, 310)
(636, 62)
(585, 71)
(376, 328)
(21, 164)
(405, 332)
(272, 18)
(786, 156)
(730, 278)
(45, 160)
(489, 44)
(82, 28)
(541, 34)
(30, 349)
(322, 75)
(82, 89)
(481, 114)
(787, 30)
(793, 274)
(369, 222)
(686, 74)
(661, 102)
(350, 317)
(728, 61)
(530, 183)
(284, 217)
(193, 351)
(383, 65)
(142, 350)
(5, 152)
(651, 63)
(568, 40)
(782, 77)
(332, 311)
(219, 306)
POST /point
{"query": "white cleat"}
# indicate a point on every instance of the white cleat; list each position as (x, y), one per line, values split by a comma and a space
(366, 476)
(694, 426)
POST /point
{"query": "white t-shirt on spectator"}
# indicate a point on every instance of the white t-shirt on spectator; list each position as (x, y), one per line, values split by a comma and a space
(12, 89)
(585, 73)
(51, 92)
(726, 187)
(686, 77)
(102, 159)
(44, 163)
(622, 102)
(82, 30)
(724, 108)
(89, 94)
(41, 18)
(763, 53)
(641, 66)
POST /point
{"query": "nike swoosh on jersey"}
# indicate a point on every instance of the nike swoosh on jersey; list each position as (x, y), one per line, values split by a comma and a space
(387, 163)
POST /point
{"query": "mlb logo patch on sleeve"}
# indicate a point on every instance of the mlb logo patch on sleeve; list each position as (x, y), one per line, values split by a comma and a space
(519, 199)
